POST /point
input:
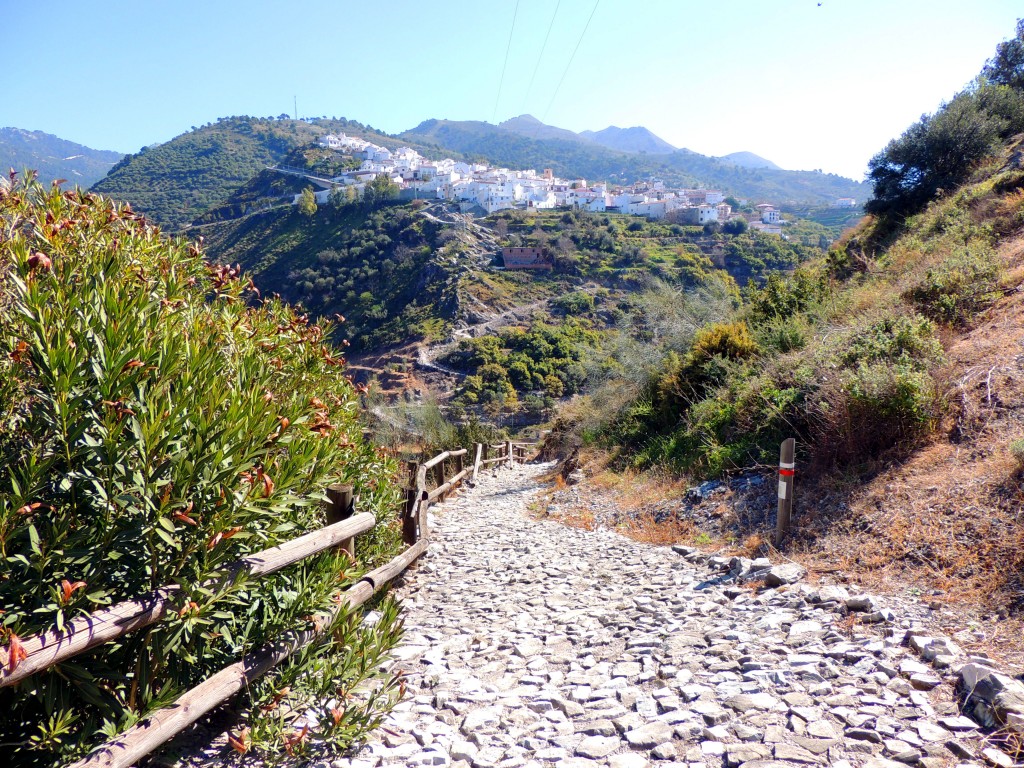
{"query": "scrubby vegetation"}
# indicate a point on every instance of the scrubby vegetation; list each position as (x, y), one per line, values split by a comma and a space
(382, 267)
(826, 354)
(632, 270)
(212, 166)
(846, 352)
(631, 248)
(156, 424)
(544, 360)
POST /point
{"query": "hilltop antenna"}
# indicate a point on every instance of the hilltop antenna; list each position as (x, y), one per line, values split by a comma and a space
(295, 103)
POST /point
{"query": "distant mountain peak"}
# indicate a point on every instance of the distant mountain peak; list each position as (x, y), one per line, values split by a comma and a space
(54, 157)
(634, 139)
(524, 118)
(749, 160)
(532, 128)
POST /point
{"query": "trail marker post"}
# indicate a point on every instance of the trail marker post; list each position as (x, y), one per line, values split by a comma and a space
(787, 470)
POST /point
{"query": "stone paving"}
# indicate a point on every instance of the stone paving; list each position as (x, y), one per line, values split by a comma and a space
(529, 643)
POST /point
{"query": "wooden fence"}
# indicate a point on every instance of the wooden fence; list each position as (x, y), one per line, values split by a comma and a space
(429, 481)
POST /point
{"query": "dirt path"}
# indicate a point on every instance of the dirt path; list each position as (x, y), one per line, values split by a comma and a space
(532, 644)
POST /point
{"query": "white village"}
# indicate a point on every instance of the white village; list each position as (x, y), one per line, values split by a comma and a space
(477, 187)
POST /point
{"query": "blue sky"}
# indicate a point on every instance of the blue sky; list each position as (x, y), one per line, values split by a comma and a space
(804, 84)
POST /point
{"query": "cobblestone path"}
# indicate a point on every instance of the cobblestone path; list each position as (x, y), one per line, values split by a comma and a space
(532, 644)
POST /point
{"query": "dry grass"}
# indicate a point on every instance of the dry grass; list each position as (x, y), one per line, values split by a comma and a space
(580, 518)
(847, 625)
(634, 490)
(648, 530)
(951, 516)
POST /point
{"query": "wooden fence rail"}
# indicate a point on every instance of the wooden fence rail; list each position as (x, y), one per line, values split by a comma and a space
(82, 634)
(87, 632)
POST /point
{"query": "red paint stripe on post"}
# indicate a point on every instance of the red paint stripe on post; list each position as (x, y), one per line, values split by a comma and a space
(787, 472)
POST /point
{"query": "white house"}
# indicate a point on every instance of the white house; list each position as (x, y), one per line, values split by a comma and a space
(540, 198)
(696, 214)
(330, 141)
(377, 154)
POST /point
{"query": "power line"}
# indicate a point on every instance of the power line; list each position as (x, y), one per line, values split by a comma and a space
(508, 48)
(541, 56)
(566, 70)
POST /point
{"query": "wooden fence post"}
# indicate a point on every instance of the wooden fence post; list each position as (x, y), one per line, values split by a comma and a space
(412, 496)
(476, 461)
(421, 504)
(787, 468)
(341, 507)
(438, 473)
(511, 458)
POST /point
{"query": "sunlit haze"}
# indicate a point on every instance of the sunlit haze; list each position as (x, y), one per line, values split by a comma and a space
(805, 84)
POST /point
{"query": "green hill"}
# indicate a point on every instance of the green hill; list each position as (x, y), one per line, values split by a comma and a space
(387, 270)
(180, 181)
(177, 182)
(53, 157)
(575, 159)
(749, 160)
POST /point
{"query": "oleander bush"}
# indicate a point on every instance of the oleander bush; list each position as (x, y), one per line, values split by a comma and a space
(157, 422)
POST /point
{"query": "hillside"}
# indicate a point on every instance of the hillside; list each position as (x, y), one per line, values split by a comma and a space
(404, 272)
(177, 182)
(894, 361)
(574, 159)
(215, 166)
(386, 269)
(53, 157)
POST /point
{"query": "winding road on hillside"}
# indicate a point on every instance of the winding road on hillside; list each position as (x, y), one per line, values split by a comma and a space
(529, 643)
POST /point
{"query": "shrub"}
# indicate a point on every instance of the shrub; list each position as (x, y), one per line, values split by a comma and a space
(896, 339)
(157, 425)
(783, 296)
(784, 334)
(732, 341)
(575, 303)
(868, 410)
(1017, 451)
(959, 287)
(735, 226)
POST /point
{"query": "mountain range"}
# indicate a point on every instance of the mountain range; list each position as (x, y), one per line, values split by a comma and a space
(53, 157)
(634, 140)
(524, 142)
(181, 180)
